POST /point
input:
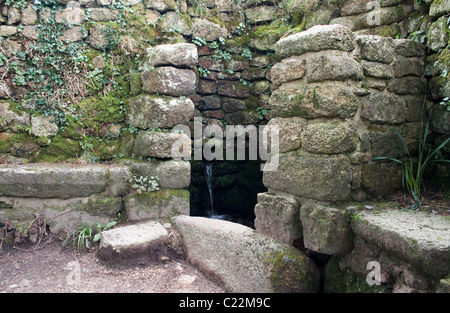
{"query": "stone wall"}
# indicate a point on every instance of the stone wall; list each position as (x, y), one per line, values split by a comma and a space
(336, 98)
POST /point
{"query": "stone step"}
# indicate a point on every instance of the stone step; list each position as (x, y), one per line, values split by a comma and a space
(144, 241)
(417, 238)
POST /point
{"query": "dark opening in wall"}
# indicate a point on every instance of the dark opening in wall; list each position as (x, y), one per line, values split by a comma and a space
(234, 186)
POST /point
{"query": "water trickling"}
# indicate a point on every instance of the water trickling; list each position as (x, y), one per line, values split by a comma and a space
(209, 177)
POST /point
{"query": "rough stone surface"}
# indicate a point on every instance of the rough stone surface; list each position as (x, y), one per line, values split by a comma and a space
(43, 126)
(12, 119)
(156, 204)
(376, 48)
(169, 81)
(383, 108)
(288, 69)
(178, 22)
(324, 178)
(326, 229)
(52, 181)
(420, 239)
(380, 179)
(160, 144)
(61, 215)
(317, 38)
(180, 55)
(278, 216)
(146, 111)
(328, 66)
(331, 99)
(329, 137)
(171, 174)
(289, 133)
(208, 30)
(254, 262)
(150, 238)
(440, 119)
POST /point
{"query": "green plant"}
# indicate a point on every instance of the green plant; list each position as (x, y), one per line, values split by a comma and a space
(203, 72)
(144, 183)
(262, 112)
(413, 168)
(247, 53)
(86, 236)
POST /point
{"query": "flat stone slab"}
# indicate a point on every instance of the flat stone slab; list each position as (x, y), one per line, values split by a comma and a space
(149, 240)
(415, 237)
(243, 260)
(62, 181)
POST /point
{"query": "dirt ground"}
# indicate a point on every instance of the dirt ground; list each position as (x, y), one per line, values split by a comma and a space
(54, 269)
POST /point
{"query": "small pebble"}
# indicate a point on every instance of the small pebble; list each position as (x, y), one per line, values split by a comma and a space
(368, 207)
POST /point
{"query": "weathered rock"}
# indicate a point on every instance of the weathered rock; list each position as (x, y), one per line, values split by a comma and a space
(70, 15)
(208, 30)
(179, 55)
(383, 108)
(407, 66)
(377, 70)
(353, 7)
(322, 178)
(209, 103)
(230, 105)
(161, 5)
(97, 38)
(146, 111)
(326, 229)
(327, 66)
(440, 119)
(6, 30)
(157, 204)
(418, 238)
(171, 174)
(408, 48)
(103, 14)
(149, 239)
(288, 69)
(160, 144)
(438, 34)
(11, 119)
(376, 48)
(385, 142)
(176, 22)
(312, 101)
(380, 179)
(29, 16)
(62, 215)
(262, 13)
(254, 262)
(407, 85)
(439, 7)
(169, 81)
(289, 133)
(206, 87)
(329, 137)
(73, 34)
(317, 38)
(43, 126)
(59, 181)
(232, 89)
(278, 216)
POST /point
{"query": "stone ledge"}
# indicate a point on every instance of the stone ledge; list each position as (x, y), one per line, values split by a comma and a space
(149, 239)
(417, 238)
(62, 181)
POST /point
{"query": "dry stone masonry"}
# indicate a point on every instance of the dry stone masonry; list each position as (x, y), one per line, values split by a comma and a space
(335, 77)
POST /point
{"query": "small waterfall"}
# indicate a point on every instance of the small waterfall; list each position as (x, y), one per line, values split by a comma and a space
(209, 176)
